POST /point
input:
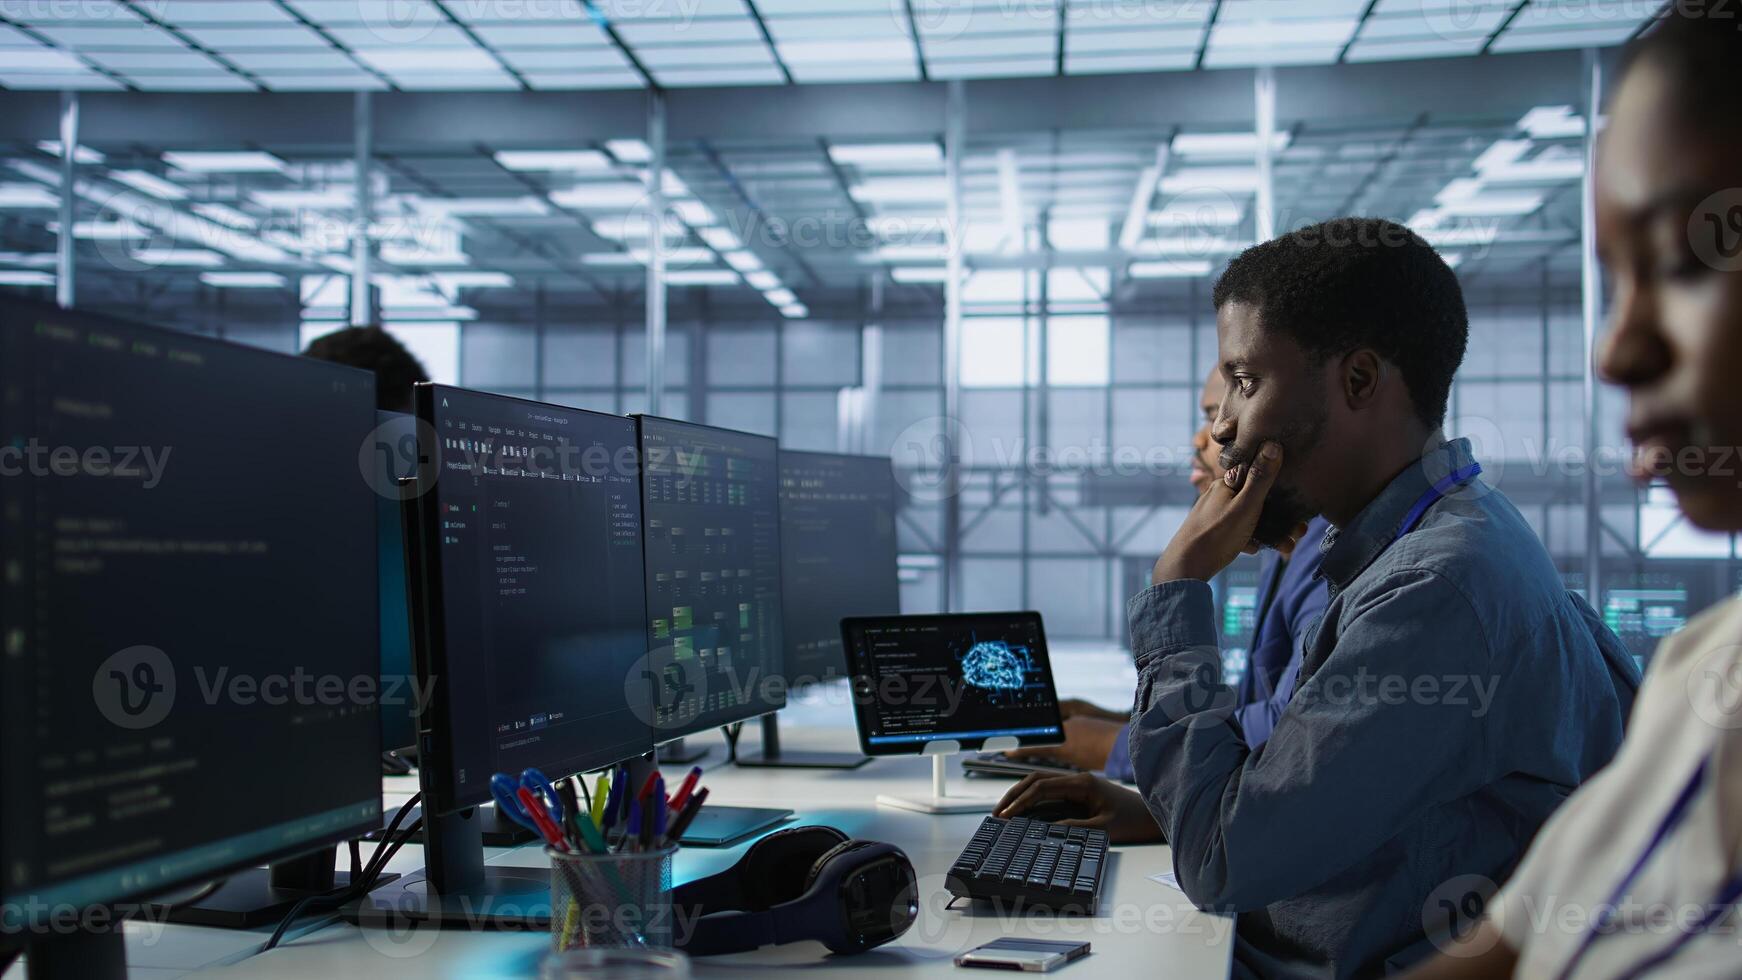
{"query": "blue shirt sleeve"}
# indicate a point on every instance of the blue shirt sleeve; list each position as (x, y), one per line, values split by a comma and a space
(1119, 760)
(1219, 803)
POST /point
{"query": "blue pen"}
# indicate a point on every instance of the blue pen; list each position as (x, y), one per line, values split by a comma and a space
(618, 778)
(629, 829)
(659, 823)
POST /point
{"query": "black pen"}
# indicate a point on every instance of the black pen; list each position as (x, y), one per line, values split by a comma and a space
(682, 823)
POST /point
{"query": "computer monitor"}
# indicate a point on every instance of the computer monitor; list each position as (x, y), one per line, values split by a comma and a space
(1643, 607)
(837, 559)
(936, 685)
(394, 454)
(188, 611)
(837, 554)
(1239, 588)
(712, 542)
(527, 629)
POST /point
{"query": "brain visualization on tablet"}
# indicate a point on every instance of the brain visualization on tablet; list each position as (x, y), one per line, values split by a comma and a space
(963, 678)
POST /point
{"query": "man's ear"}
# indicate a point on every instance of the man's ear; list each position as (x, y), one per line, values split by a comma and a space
(1362, 373)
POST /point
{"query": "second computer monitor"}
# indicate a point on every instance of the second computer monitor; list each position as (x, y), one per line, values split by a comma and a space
(838, 554)
(531, 609)
(712, 499)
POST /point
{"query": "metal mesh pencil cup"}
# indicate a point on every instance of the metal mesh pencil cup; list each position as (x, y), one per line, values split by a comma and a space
(620, 900)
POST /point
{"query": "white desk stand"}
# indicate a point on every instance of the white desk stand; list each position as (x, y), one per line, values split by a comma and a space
(940, 801)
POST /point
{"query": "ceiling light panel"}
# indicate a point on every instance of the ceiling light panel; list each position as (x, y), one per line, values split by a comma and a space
(1465, 21)
(1134, 41)
(412, 59)
(702, 56)
(565, 59)
(990, 68)
(1398, 50)
(1100, 64)
(231, 162)
(857, 50)
(271, 39)
(879, 26)
(698, 31)
(211, 82)
(583, 35)
(1098, 14)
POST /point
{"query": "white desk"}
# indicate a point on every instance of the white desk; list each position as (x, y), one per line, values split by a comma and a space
(1143, 927)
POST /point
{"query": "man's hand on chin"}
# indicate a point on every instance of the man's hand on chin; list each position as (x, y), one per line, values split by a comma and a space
(1221, 523)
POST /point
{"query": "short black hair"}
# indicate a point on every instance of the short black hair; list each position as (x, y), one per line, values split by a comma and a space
(1350, 283)
(1698, 45)
(374, 349)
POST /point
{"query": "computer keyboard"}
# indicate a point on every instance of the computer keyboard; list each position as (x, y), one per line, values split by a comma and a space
(1040, 864)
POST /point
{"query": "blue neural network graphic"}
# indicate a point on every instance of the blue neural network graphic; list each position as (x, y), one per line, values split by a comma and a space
(997, 667)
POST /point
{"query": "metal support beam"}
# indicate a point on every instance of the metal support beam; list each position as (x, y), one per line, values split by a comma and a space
(69, 153)
(1496, 85)
(955, 147)
(1593, 309)
(362, 247)
(656, 253)
(1264, 99)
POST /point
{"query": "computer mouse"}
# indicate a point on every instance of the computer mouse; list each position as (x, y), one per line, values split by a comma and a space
(1052, 811)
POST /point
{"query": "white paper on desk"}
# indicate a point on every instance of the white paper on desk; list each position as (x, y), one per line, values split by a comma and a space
(1169, 879)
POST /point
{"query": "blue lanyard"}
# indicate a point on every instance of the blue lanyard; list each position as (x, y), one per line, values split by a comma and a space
(1727, 894)
(1434, 495)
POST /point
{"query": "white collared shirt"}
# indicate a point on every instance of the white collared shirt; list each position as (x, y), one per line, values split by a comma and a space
(1689, 710)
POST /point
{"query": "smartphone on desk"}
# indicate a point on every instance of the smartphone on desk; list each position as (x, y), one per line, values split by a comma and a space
(1031, 955)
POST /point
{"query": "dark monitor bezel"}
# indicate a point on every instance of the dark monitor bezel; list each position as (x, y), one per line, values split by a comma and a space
(663, 737)
(429, 653)
(863, 701)
(787, 657)
(33, 311)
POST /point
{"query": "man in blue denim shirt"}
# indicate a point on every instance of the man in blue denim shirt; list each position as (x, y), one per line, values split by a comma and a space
(1454, 692)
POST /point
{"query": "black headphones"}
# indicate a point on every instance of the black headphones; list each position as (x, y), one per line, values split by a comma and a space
(801, 883)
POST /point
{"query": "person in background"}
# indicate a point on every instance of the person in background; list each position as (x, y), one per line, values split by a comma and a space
(1454, 692)
(374, 349)
(1290, 600)
(1639, 873)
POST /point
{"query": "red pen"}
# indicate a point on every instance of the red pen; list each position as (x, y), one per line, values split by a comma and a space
(688, 787)
(552, 834)
(647, 787)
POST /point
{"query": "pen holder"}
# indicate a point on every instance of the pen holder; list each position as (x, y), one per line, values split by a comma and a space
(613, 901)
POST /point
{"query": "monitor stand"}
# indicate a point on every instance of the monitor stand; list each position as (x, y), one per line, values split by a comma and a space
(498, 830)
(456, 890)
(773, 757)
(940, 800)
(675, 753)
(263, 896)
(94, 955)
